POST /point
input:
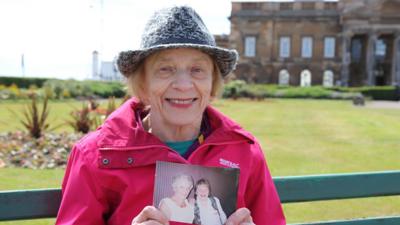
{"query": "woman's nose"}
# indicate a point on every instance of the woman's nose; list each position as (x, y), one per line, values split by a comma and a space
(182, 81)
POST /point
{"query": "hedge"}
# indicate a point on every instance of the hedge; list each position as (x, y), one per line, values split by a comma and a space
(238, 88)
(389, 93)
(61, 89)
(23, 82)
(87, 88)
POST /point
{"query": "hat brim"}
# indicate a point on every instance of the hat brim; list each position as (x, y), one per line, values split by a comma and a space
(129, 61)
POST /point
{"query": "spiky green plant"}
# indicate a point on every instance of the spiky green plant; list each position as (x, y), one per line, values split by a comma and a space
(34, 120)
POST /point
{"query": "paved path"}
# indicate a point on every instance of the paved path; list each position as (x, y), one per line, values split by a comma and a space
(383, 104)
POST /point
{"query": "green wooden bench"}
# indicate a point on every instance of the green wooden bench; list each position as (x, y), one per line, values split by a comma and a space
(44, 203)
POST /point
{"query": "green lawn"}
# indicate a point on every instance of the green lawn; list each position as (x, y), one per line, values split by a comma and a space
(298, 136)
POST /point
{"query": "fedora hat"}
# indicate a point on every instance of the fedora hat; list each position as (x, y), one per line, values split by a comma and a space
(176, 27)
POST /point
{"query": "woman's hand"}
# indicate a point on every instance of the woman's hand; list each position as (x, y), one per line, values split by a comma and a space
(150, 215)
(241, 216)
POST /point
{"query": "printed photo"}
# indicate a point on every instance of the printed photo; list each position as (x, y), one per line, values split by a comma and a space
(195, 194)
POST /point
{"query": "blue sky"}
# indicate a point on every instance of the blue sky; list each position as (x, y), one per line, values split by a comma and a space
(57, 37)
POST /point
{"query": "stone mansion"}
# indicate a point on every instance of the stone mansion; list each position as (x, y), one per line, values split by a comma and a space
(316, 42)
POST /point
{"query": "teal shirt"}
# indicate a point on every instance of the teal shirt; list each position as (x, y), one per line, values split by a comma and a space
(180, 146)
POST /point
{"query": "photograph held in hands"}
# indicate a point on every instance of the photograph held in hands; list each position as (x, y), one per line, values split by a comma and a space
(192, 194)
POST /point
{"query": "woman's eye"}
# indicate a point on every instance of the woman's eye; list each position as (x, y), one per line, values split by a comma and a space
(166, 69)
(197, 70)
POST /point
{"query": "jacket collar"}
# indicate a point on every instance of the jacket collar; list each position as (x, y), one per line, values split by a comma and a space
(123, 129)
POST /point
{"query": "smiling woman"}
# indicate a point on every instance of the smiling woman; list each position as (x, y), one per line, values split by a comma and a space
(174, 75)
(179, 83)
(177, 207)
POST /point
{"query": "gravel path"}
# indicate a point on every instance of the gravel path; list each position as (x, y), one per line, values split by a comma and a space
(383, 104)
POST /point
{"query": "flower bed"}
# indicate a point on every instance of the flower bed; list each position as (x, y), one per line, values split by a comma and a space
(18, 149)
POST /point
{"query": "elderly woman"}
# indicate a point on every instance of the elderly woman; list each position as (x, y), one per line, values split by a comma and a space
(207, 208)
(175, 74)
(177, 207)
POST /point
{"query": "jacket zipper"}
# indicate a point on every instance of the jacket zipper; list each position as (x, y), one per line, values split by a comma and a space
(199, 149)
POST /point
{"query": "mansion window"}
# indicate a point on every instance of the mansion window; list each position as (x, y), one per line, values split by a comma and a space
(308, 5)
(330, 5)
(306, 47)
(356, 50)
(380, 47)
(284, 47)
(285, 5)
(250, 46)
(250, 5)
(327, 80)
(284, 77)
(305, 77)
(329, 47)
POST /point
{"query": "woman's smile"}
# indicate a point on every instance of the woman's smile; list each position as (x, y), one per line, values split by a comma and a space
(181, 102)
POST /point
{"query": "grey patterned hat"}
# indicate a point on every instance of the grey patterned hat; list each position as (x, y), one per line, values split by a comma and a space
(176, 27)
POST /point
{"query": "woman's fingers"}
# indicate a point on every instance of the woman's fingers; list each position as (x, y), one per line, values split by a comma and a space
(241, 216)
(149, 222)
(150, 215)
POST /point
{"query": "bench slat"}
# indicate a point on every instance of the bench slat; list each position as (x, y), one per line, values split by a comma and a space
(337, 186)
(44, 203)
(29, 204)
(395, 220)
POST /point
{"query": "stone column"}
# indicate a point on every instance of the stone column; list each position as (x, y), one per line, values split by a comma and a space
(370, 62)
(346, 41)
(396, 60)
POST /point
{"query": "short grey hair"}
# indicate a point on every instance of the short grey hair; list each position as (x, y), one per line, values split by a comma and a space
(184, 177)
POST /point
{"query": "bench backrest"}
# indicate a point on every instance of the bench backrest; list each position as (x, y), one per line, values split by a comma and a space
(44, 203)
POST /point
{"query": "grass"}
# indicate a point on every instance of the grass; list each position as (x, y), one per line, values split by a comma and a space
(320, 136)
(302, 137)
(299, 137)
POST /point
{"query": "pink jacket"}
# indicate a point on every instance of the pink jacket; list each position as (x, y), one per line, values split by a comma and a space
(110, 173)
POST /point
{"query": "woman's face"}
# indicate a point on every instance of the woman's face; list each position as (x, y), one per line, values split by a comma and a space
(182, 187)
(178, 85)
(202, 191)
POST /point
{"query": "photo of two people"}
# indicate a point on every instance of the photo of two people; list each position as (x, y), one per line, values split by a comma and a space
(195, 194)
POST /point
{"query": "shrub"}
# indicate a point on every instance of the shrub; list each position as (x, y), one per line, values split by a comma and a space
(390, 93)
(48, 92)
(66, 94)
(58, 90)
(381, 93)
(233, 89)
(86, 88)
(81, 119)
(106, 89)
(260, 91)
(34, 121)
(91, 115)
(14, 91)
